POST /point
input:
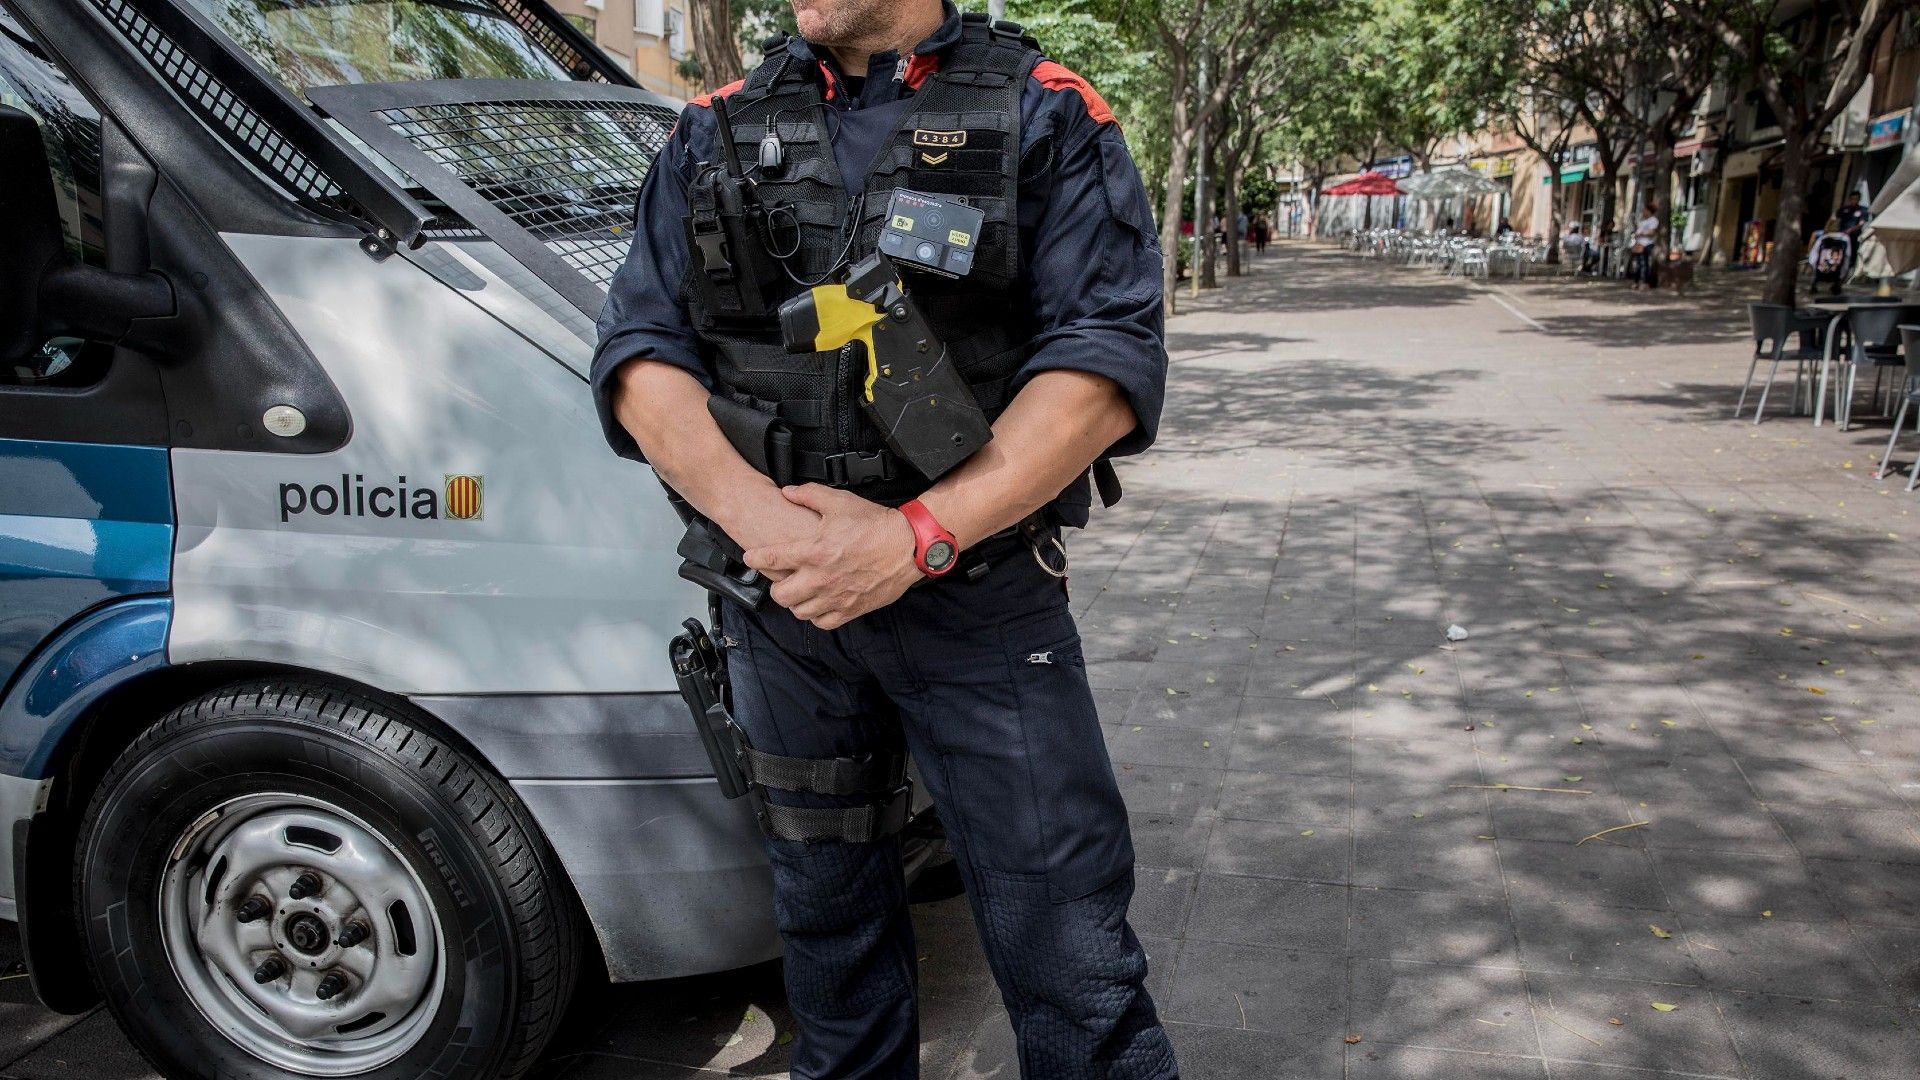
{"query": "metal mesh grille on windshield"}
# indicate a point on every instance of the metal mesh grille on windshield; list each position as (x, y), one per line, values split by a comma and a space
(256, 139)
(565, 171)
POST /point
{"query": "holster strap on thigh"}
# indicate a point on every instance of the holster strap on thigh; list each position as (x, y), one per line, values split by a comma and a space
(853, 824)
(869, 774)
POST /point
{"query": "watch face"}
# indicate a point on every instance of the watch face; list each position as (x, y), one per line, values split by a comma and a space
(939, 554)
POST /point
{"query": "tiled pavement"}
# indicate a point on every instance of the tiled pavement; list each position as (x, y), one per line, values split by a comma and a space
(1366, 853)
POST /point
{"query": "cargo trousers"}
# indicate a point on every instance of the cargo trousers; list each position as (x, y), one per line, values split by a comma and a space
(985, 684)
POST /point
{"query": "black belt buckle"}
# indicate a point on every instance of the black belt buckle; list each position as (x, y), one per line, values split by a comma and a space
(849, 469)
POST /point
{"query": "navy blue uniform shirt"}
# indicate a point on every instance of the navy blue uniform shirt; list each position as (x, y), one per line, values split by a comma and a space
(1090, 255)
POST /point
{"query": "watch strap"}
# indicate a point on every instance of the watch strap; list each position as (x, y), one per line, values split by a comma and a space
(935, 551)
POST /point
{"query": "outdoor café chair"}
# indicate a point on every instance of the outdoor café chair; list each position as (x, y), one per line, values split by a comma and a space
(1909, 397)
(1773, 324)
(1873, 340)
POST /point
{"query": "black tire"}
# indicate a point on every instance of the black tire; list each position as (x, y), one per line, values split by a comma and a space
(490, 878)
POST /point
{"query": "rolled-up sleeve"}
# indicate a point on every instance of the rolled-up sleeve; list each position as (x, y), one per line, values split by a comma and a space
(643, 317)
(1095, 275)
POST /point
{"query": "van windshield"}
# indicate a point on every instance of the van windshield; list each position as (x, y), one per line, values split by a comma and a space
(307, 43)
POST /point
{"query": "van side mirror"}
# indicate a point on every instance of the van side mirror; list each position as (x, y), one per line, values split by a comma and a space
(44, 291)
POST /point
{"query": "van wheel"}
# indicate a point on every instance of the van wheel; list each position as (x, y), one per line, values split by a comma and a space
(288, 880)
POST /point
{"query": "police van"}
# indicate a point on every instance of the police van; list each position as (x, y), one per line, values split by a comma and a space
(337, 731)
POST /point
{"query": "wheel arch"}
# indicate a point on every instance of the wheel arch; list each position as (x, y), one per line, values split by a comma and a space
(77, 759)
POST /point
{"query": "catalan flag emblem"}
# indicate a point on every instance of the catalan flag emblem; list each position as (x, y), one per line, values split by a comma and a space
(463, 497)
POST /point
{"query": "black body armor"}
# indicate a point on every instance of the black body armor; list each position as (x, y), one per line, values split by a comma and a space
(959, 136)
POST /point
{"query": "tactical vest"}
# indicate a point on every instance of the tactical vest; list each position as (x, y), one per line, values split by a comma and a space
(959, 137)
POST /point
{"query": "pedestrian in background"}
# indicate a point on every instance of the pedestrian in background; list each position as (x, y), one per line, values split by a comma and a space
(1644, 232)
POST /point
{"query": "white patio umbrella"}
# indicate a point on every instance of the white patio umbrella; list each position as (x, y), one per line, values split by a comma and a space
(1896, 217)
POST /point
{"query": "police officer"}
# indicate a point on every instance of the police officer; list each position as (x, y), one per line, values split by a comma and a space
(868, 649)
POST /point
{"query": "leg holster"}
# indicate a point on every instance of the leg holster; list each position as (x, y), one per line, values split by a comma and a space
(741, 770)
(879, 777)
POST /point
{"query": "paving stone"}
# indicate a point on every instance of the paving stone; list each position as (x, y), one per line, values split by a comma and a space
(1182, 747)
(1895, 952)
(1440, 928)
(1161, 898)
(1265, 912)
(1574, 1013)
(92, 1049)
(1777, 957)
(1171, 840)
(1591, 874)
(1735, 826)
(1793, 1038)
(1727, 883)
(1863, 835)
(1212, 1053)
(1372, 1061)
(951, 959)
(1819, 783)
(1870, 893)
(1612, 942)
(1450, 1008)
(1288, 797)
(1445, 857)
(1165, 789)
(1293, 736)
(1296, 851)
(1257, 989)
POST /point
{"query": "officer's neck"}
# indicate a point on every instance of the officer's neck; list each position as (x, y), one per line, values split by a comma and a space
(912, 23)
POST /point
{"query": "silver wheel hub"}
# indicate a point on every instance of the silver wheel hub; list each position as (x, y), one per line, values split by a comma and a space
(302, 935)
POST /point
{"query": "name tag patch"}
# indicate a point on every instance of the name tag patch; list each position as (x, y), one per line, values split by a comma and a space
(938, 139)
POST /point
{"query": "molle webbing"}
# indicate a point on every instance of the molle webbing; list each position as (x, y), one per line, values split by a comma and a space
(959, 137)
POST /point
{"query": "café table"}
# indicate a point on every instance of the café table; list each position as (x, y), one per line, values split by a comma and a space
(1838, 308)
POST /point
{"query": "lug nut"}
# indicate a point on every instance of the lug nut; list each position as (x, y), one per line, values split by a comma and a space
(269, 971)
(307, 884)
(253, 909)
(333, 985)
(353, 934)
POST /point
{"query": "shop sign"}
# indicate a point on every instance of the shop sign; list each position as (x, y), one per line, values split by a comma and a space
(1398, 168)
(1886, 130)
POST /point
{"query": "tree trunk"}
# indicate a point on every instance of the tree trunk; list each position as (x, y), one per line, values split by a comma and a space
(1783, 270)
(713, 42)
(1609, 191)
(1554, 253)
(1233, 176)
(1208, 252)
(1662, 196)
(1172, 211)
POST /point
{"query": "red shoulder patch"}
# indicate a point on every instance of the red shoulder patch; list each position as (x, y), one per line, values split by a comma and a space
(1055, 77)
(919, 67)
(705, 101)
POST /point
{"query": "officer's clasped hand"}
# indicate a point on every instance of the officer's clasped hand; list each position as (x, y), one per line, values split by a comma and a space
(861, 561)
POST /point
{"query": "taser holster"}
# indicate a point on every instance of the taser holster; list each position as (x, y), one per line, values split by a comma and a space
(700, 669)
(912, 392)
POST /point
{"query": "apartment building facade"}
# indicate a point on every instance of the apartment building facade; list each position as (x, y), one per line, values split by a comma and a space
(649, 38)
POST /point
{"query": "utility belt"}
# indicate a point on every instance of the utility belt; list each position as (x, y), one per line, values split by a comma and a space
(880, 780)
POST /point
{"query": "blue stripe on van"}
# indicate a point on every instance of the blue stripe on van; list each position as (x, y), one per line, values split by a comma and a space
(81, 524)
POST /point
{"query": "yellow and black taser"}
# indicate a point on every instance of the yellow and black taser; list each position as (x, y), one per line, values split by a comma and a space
(912, 392)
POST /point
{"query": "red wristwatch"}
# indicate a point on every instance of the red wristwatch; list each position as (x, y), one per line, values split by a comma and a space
(934, 548)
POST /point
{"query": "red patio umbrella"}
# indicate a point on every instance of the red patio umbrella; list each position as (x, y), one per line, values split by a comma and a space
(1368, 184)
(1371, 183)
